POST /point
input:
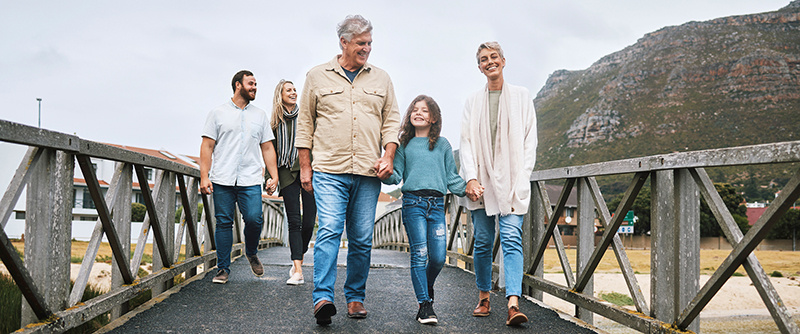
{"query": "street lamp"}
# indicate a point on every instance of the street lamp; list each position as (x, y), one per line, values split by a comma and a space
(40, 111)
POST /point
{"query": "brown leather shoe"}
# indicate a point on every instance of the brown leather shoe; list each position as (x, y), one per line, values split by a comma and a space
(515, 317)
(356, 310)
(483, 308)
(323, 311)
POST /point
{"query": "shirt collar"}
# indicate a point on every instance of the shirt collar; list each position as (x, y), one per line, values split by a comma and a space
(333, 65)
(230, 102)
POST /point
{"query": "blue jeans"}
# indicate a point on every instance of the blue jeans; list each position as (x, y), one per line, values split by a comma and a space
(225, 200)
(510, 241)
(343, 198)
(424, 220)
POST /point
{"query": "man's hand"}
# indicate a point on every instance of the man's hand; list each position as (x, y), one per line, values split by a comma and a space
(384, 167)
(304, 157)
(205, 186)
(474, 190)
(272, 185)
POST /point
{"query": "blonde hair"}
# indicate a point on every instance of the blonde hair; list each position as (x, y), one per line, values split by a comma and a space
(277, 104)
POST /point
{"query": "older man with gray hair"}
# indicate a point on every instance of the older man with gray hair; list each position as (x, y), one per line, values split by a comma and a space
(348, 115)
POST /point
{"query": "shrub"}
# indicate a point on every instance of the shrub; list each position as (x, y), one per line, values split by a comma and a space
(617, 298)
(776, 274)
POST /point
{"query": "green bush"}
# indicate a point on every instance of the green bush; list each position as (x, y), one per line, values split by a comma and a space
(137, 212)
(776, 274)
(617, 298)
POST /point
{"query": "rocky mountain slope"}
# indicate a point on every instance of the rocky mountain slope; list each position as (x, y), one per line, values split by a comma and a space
(726, 82)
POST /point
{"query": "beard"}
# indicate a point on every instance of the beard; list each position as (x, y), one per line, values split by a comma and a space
(245, 94)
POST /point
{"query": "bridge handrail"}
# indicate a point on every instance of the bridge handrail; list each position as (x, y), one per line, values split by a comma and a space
(46, 171)
(678, 181)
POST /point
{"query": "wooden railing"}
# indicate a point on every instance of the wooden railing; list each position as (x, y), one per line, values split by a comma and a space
(46, 171)
(678, 181)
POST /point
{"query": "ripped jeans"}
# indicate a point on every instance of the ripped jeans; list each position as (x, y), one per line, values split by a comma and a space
(423, 218)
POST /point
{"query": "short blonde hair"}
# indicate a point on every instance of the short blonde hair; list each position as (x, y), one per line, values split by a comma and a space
(491, 46)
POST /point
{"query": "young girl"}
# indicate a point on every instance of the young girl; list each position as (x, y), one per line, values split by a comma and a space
(424, 162)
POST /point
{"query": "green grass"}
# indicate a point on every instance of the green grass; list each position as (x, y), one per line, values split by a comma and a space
(11, 300)
(617, 298)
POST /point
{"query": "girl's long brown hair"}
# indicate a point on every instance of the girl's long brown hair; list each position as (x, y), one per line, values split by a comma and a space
(407, 130)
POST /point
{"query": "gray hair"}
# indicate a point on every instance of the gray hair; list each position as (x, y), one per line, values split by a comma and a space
(491, 46)
(352, 25)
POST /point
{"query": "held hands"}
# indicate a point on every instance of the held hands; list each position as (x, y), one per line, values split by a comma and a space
(474, 190)
(384, 167)
(271, 186)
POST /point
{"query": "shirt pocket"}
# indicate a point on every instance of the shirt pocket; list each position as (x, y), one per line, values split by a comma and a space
(255, 130)
(331, 100)
(374, 99)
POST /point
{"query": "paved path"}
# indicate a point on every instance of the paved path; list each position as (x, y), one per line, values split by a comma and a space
(247, 304)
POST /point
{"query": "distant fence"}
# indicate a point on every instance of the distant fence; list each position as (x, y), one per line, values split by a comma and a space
(677, 181)
(46, 171)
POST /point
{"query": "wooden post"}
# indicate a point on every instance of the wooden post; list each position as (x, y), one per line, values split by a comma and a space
(165, 205)
(585, 247)
(48, 230)
(122, 223)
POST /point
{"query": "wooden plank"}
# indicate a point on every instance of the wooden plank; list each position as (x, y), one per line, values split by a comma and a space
(150, 203)
(619, 250)
(777, 308)
(731, 156)
(18, 182)
(32, 136)
(778, 208)
(105, 217)
(94, 243)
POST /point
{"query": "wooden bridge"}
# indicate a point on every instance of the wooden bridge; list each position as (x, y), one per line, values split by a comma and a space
(678, 181)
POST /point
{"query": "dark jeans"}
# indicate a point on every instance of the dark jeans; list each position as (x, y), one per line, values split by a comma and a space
(225, 200)
(300, 229)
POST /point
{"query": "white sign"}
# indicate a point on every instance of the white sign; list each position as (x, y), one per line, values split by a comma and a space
(625, 229)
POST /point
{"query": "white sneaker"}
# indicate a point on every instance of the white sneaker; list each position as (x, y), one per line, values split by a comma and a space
(296, 279)
(291, 270)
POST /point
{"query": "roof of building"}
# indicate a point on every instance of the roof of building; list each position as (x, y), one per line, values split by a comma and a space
(163, 154)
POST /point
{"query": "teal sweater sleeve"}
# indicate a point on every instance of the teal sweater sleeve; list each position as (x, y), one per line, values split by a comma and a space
(420, 168)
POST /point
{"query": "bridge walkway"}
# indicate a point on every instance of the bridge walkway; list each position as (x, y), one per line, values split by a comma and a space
(248, 304)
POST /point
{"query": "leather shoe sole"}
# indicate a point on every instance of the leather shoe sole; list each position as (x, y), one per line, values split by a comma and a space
(323, 311)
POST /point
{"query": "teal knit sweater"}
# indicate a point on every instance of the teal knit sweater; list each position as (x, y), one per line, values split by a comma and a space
(422, 169)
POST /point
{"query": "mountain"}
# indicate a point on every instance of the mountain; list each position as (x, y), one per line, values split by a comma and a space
(725, 82)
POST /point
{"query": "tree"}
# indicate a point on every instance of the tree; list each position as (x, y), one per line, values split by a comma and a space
(709, 227)
(708, 224)
(787, 227)
(137, 212)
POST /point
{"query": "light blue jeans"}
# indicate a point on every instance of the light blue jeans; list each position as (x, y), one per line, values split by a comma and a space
(343, 201)
(225, 200)
(511, 243)
(423, 218)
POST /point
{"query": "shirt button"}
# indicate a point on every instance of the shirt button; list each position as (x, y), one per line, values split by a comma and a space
(512, 209)
(354, 136)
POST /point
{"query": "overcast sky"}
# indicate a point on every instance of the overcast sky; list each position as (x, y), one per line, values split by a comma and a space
(146, 73)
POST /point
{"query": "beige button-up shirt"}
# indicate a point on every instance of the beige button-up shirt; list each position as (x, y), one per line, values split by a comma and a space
(347, 124)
